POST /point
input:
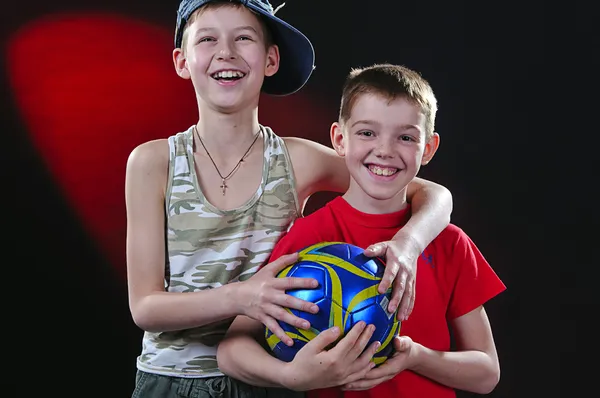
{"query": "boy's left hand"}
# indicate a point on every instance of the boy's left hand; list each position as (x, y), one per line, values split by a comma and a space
(400, 272)
(400, 361)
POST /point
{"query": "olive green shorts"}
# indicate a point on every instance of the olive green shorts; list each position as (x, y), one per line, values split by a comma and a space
(148, 385)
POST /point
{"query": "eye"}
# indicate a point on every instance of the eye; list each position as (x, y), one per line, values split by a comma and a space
(244, 38)
(407, 138)
(365, 133)
(206, 39)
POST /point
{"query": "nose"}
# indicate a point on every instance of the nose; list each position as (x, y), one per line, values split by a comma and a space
(384, 149)
(225, 51)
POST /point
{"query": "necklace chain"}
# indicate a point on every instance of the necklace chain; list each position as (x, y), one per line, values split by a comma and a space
(224, 185)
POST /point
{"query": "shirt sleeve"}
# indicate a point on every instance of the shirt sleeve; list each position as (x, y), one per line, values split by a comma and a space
(475, 281)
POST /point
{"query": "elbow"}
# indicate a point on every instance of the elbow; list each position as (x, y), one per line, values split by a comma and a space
(224, 358)
(444, 197)
(488, 383)
(142, 317)
(488, 386)
(142, 321)
(144, 324)
(447, 200)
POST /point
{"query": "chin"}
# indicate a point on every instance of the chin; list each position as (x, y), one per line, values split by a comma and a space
(228, 105)
(380, 193)
(382, 196)
(233, 101)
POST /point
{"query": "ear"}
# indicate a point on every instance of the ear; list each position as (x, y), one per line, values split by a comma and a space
(180, 63)
(272, 65)
(337, 139)
(431, 146)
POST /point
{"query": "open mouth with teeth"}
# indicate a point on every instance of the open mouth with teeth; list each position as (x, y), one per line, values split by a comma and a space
(381, 170)
(228, 75)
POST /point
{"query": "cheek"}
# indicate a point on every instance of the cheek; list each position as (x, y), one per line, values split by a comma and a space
(412, 157)
(254, 55)
(356, 153)
(197, 58)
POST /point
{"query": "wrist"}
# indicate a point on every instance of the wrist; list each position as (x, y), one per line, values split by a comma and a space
(287, 378)
(235, 297)
(410, 241)
(415, 357)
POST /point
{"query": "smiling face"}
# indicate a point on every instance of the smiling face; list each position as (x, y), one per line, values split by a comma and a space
(227, 57)
(384, 144)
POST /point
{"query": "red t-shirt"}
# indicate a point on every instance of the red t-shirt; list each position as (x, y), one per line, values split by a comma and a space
(453, 279)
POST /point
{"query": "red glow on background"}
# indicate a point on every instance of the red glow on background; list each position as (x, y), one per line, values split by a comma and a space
(92, 87)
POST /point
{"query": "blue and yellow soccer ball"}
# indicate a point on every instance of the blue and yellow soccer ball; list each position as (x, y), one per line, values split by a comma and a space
(347, 293)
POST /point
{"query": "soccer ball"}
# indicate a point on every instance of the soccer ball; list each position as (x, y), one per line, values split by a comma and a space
(347, 293)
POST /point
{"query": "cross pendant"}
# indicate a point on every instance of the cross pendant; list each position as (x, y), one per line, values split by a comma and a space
(223, 187)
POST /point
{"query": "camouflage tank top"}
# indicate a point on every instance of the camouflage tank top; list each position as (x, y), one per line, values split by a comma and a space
(208, 248)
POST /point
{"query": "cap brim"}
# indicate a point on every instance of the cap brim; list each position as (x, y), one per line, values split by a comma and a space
(297, 56)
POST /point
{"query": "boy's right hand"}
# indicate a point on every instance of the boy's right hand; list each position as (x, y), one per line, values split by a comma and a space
(263, 297)
(314, 366)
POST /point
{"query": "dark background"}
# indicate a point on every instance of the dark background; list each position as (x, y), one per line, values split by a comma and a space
(81, 85)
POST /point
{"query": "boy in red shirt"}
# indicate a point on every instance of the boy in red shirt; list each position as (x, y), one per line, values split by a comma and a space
(385, 133)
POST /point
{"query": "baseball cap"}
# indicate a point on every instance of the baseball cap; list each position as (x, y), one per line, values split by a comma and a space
(297, 55)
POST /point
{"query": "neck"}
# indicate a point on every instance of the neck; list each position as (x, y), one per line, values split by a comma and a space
(227, 133)
(368, 204)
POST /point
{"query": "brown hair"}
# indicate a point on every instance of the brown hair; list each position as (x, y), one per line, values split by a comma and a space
(391, 82)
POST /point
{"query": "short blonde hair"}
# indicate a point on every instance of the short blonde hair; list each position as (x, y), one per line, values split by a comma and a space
(391, 82)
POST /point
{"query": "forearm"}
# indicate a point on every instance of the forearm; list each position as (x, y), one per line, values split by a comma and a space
(431, 206)
(472, 371)
(169, 311)
(242, 357)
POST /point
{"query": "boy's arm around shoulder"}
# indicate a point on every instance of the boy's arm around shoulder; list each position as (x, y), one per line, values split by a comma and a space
(152, 308)
(317, 168)
(431, 208)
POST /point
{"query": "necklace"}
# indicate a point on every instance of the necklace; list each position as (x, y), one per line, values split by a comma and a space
(224, 185)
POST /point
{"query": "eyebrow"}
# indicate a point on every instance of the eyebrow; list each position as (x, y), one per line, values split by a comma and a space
(246, 27)
(373, 122)
(363, 122)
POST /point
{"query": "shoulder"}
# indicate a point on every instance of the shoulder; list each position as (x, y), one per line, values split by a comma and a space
(321, 159)
(451, 239)
(301, 147)
(150, 152)
(323, 223)
(317, 167)
(149, 158)
(457, 250)
(451, 233)
(321, 217)
(469, 279)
